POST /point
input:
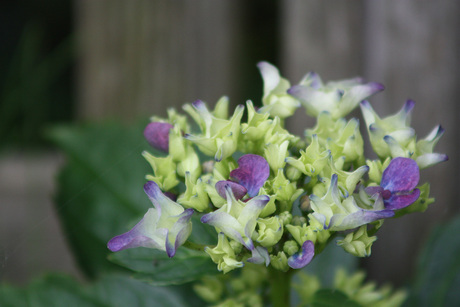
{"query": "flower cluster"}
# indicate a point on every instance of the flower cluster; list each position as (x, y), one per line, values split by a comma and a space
(273, 198)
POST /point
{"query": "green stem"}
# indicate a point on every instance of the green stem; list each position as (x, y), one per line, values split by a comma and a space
(280, 287)
(194, 246)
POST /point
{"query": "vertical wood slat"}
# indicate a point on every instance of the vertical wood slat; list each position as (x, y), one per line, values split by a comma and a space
(410, 46)
(141, 57)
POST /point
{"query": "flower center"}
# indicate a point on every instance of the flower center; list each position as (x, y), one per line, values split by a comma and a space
(386, 194)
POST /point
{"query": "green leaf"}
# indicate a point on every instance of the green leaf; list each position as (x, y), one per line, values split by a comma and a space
(100, 189)
(109, 291)
(50, 291)
(202, 233)
(437, 280)
(156, 268)
(332, 298)
(118, 290)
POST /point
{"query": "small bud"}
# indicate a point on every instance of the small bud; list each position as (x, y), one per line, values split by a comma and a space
(279, 261)
(298, 220)
(358, 243)
(236, 246)
(276, 155)
(208, 166)
(305, 203)
(290, 247)
(195, 195)
(293, 173)
(164, 171)
(270, 231)
(285, 217)
(223, 255)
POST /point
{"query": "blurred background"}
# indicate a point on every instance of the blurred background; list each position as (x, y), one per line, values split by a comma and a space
(64, 61)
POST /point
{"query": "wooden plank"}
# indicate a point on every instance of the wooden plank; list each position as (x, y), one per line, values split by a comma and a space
(141, 57)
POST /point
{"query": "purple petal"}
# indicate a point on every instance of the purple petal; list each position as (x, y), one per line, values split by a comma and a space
(140, 235)
(153, 191)
(399, 201)
(360, 92)
(260, 255)
(237, 189)
(183, 234)
(408, 106)
(199, 104)
(157, 135)
(252, 172)
(360, 218)
(373, 190)
(170, 195)
(164, 205)
(402, 174)
(302, 258)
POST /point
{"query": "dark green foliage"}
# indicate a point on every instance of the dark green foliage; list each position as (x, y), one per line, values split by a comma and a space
(437, 281)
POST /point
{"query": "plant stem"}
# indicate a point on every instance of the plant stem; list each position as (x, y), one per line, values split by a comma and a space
(194, 246)
(280, 287)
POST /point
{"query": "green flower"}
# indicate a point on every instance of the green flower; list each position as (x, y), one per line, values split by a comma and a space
(392, 136)
(195, 195)
(338, 98)
(312, 160)
(338, 136)
(358, 243)
(219, 137)
(164, 171)
(276, 100)
(270, 231)
(223, 255)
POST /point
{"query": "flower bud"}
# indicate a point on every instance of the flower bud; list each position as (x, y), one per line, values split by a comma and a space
(164, 171)
(291, 247)
(270, 231)
(279, 261)
(293, 173)
(358, 243)
(223, 255)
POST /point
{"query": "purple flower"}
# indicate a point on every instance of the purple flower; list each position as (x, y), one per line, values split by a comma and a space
(302, 258)
(238, 190)
(249, 177)
(165, 227)
(397, 187)
(157, 135)
(252, 172)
